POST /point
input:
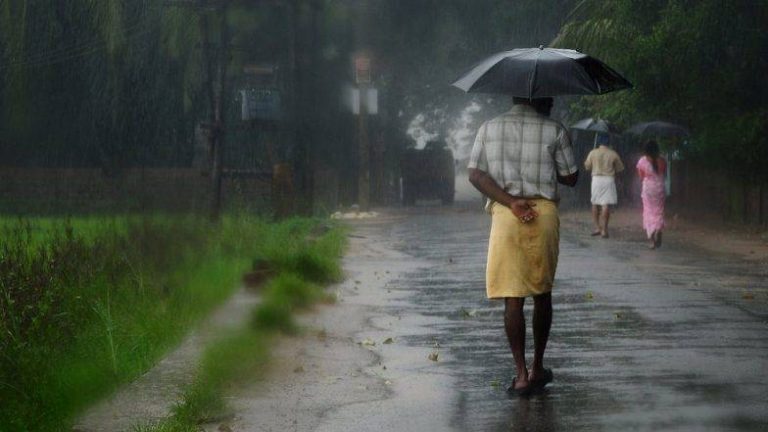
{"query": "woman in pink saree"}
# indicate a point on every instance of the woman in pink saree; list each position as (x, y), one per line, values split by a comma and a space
(652, 168)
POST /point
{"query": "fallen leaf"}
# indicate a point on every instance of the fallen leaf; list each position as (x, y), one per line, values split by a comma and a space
(433, 356)
(589, 295)
(367, 342)
(495, 383)
(618, 315)
(748, 296)
(388, 341)
(298, 369)
(388, 382)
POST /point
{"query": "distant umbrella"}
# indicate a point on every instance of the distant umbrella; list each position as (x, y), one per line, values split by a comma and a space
(595, 125)
(541, 72)
(659, 129)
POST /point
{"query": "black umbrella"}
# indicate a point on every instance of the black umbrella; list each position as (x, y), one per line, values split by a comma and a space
(595, 125)
(541, 72)
(659, 129)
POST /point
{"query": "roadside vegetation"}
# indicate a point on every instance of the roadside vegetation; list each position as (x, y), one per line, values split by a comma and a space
(89, 304)
(244, 354)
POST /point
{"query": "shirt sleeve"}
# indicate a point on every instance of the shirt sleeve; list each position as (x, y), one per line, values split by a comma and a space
(618, 164)
(640, 168)
(564, 160)
(588, 162)
(478, 158)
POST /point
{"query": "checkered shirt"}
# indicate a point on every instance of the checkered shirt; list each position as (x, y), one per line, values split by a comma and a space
(523, 152)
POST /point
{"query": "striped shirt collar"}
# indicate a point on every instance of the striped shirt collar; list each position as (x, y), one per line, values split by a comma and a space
(522, 109)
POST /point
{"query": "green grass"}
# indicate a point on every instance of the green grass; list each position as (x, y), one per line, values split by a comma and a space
(88, 304)
(244, 354)
(232, 358)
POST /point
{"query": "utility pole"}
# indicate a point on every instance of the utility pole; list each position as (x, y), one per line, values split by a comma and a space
(218, 129)
(362, 64)
(215, 65)
(364, 152)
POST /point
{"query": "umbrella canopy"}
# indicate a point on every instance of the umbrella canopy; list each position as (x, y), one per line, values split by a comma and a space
(595, 125)
(659, 129)
(541, 72)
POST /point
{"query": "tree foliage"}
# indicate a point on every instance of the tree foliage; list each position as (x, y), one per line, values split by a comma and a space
(698, 63)
(96, 82)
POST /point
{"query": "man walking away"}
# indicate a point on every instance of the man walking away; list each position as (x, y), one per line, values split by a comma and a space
(604, 164)
(517, 161)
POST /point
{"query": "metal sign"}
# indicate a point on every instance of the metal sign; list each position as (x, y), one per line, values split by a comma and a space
(371, 100)
(261, 104)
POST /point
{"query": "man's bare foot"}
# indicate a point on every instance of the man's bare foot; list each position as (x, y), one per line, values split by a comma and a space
(521, 386)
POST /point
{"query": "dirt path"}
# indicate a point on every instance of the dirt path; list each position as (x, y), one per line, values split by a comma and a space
(336, 376)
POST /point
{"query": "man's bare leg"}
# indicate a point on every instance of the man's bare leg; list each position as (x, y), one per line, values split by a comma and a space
(604, 217)
(596, 219)
(542, 321)
(514, 325)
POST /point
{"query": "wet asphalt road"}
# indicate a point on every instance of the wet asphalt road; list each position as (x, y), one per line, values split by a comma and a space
(641, 339)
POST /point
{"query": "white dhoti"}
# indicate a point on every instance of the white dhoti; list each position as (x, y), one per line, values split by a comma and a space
(603, 190)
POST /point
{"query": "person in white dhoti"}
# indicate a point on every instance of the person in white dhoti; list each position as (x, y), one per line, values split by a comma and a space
(604, 163)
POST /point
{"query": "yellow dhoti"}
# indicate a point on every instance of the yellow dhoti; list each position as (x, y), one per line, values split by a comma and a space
(522, 257)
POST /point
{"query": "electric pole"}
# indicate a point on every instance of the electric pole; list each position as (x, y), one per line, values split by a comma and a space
(363, 76)
(364, 152)
(215, 65)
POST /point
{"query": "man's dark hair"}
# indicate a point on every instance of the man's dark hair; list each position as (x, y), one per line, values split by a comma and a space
(542, 105)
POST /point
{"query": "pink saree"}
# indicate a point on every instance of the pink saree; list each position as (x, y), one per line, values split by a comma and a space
(653, 194)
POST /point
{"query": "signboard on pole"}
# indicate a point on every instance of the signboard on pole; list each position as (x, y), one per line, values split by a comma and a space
(260, 104)
(371, 100)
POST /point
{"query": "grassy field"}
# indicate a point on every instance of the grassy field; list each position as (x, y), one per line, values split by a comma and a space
(88, 304)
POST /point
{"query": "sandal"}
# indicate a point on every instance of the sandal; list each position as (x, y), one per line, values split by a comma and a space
(546, 378)
(519, 392)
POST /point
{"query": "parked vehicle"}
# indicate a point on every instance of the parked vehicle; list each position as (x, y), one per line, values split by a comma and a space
(428, 174)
